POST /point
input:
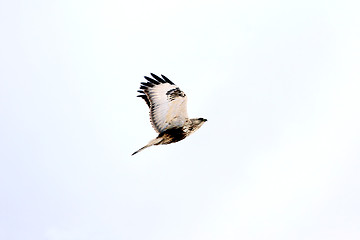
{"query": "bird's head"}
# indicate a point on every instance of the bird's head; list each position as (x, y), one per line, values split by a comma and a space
(197, 122)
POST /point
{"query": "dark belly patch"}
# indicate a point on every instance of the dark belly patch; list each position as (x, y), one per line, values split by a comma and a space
(172, 135)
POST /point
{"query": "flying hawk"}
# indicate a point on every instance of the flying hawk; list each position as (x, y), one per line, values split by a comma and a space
(168, 114)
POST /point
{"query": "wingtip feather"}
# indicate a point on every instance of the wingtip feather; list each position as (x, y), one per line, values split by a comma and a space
(159, 79)
(153, 81)
(167, 80)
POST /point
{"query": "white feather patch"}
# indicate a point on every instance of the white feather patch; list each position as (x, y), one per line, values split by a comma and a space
(165, 114)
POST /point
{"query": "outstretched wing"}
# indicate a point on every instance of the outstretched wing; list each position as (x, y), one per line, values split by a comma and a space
(166, 101)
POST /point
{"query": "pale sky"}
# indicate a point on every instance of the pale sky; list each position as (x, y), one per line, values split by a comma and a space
(278, 81)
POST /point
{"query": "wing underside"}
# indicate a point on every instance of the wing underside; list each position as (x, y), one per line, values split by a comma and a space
(166, 101)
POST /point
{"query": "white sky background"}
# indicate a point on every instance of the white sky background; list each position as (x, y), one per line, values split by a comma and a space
(278, 81)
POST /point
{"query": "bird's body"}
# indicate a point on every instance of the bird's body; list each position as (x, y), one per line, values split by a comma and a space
(168, 112)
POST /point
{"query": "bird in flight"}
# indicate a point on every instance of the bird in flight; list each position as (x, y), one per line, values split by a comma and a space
(168, 112)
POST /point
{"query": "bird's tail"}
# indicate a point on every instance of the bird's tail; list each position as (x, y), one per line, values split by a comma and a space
(155, 141)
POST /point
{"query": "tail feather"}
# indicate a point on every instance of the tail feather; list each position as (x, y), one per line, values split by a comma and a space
(146, 146)
(155, 141)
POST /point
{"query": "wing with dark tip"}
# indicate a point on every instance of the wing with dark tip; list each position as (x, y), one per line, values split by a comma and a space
(143, 96)
(166, 101)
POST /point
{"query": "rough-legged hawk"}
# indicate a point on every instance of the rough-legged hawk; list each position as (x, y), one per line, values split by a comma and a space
(168, 114)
